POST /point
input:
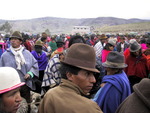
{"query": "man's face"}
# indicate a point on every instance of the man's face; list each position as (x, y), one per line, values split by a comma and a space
(84, 80)
(122, 40)
(15, 42)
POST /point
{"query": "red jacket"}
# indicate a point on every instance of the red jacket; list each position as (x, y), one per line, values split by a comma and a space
(137, 66)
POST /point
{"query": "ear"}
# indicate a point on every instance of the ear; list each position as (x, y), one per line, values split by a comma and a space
(69, 76)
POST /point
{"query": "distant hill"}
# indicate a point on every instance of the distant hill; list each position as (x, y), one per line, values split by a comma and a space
(140, 27)
(64, 25)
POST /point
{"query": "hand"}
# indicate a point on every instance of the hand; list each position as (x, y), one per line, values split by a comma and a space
(27, 76)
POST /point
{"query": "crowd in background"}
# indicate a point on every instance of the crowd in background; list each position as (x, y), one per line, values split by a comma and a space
(132, 63)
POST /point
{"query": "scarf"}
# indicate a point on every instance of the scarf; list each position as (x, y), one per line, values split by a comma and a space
(18, 56)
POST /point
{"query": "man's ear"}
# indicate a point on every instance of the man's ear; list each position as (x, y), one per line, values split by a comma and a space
(69, 76)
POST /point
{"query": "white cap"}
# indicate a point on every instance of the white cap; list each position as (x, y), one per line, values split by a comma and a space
(9, 79)
(112, 41)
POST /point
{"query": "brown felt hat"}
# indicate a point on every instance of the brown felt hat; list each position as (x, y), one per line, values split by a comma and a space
(82, 56)
(103, 37)
(17, 35)
(115, 60)
(39, 43)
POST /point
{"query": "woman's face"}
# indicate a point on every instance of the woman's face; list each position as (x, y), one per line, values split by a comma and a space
(111, 48)
(11, 100)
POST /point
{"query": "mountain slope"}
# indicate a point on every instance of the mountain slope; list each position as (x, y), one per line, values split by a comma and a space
(64, 25)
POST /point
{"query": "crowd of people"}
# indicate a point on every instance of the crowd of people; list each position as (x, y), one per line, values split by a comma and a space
(76, 73)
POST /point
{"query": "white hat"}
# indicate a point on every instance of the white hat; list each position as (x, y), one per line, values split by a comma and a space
(9, 79)
(112, 41)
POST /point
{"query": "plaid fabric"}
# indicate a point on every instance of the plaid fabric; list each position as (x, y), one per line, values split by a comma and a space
(98, 48)
(52, 75)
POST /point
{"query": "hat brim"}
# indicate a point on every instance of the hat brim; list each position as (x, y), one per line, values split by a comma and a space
(16, 37)
(11, 88)
(135, 50)
(114, 66)
(88, 69)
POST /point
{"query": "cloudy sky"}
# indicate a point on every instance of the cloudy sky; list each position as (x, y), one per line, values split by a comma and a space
(28, 9)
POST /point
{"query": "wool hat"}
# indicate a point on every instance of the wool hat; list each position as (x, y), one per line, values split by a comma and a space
(135, 46)
(82, 56)
(39, 43)
(17, 35)
(9, 79)
(112, 41)
(115, 60)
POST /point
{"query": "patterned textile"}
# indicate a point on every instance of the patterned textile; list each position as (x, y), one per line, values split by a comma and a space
(98, 49)
(52, 74)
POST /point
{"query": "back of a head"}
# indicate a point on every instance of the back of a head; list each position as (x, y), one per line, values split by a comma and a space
(9, 79)
(76, 39)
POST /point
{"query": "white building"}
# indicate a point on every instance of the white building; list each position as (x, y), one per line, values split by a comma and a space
(81, 30)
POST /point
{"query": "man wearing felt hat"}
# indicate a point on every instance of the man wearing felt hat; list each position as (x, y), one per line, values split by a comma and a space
(77, 80)
(102, 39)
(115, 85)
(137, 64)
(23, 61)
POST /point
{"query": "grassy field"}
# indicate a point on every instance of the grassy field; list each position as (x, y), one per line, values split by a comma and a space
(140, 28)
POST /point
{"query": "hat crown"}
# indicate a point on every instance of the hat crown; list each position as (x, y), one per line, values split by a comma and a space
(9, 79)
(115, 57)
(112, 41)
(82, 56)
(135, 46)
(17, 34)
(115, 60)
(39, 42)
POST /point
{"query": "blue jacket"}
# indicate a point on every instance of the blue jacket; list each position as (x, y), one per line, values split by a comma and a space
(116, 89)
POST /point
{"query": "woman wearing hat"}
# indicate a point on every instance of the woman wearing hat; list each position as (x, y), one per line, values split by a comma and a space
(9, 90)
(108, 48)
(77, 80)
(115, 85)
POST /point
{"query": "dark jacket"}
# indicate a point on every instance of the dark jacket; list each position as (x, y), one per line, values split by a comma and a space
(126, 45)
(139, 101)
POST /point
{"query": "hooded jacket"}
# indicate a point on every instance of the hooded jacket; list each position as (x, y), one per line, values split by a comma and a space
(139, 101)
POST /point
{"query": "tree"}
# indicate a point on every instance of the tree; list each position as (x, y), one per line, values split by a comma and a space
(47, 32)
(6, 27)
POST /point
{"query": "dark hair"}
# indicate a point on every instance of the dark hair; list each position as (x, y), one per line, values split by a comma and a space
(65, 68)
(106, 47)
(60, 44)
(142, 40)
(43, 38)
(2, 105)
(76, 39)
(38, 48)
